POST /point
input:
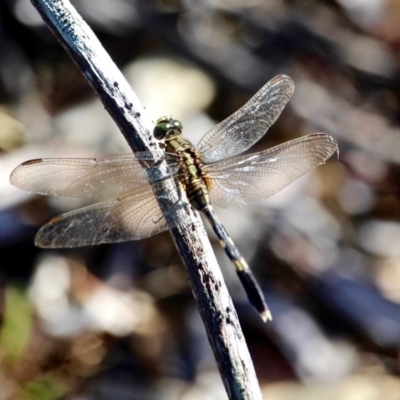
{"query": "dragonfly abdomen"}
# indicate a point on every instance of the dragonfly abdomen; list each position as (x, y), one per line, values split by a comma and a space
(199, 197)
(243, 271)
(197, 193)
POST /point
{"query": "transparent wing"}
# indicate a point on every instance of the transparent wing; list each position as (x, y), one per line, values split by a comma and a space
(82, 177)
(131, 217)
(247, 179)
(246, 126)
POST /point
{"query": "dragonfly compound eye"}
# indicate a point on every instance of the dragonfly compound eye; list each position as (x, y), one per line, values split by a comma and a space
(165, 126)
(177, 125)
(160, 130)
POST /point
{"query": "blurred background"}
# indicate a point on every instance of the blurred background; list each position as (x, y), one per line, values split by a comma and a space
(120, 320)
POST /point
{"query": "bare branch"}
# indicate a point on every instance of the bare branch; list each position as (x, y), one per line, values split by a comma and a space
(205, 277)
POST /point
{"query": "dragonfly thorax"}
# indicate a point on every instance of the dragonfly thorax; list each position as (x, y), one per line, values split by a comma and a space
(190, 175)
(167, 127)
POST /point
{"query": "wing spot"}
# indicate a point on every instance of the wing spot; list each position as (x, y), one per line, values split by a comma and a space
(31, 162)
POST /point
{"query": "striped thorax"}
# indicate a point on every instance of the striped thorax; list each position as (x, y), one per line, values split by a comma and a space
(190, 166)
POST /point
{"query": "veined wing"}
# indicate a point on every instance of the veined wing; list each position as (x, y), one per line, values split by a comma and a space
(246, 126)
(247, 179)
(133, 216)
(83, 177)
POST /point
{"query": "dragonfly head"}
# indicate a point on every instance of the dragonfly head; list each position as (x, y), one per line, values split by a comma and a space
(166, 128)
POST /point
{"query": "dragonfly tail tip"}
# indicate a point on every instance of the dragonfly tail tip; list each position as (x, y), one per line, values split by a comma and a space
(266, 315)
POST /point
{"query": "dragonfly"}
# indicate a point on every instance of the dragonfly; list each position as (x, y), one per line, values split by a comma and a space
(212, 173)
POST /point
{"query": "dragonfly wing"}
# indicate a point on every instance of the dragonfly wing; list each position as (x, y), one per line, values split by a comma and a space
(246, 126)
(83, 177)
(247, 179)
(133, 216)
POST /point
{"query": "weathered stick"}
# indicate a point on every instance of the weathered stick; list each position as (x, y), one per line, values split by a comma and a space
(214, 302)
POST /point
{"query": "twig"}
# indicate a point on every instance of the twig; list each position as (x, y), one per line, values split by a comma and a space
(214, 302)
